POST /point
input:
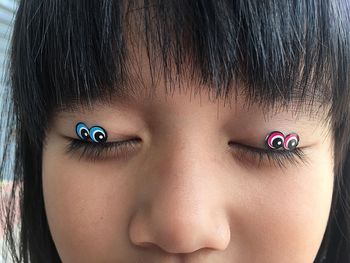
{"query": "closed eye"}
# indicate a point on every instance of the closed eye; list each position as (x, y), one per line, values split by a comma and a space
(246, 154)
(249, 155)
(92, 151)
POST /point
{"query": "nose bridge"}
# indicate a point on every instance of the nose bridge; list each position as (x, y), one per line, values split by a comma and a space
(183, 185)
(185, 167)
(184, 207)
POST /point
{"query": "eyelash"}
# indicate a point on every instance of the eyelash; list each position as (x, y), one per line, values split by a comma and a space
(281, 158)
(96, 151)
(244, 153)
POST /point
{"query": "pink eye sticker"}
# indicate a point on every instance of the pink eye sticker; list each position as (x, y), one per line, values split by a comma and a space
(291, 141)
(275, 140)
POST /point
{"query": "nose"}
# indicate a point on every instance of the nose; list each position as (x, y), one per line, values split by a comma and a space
(182, 208)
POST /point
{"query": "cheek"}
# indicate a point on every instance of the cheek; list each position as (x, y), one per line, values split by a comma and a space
(284, 216)
(86, 207)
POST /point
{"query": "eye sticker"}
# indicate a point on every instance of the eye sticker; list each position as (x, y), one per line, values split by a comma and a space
(96, 133)
(276, 140)
(82, 131)
(291, 141)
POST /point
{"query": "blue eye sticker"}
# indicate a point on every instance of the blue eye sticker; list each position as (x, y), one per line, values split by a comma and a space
(82, 131)
(98, 134)
(95, 133)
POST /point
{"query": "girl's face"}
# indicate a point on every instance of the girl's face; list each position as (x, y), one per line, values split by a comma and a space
(191, 186)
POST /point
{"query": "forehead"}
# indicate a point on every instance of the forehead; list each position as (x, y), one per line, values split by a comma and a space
(154, 54)
(159, 98)
(152, 70)
(147, 80)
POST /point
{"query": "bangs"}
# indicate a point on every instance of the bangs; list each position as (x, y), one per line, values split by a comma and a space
(78, 52)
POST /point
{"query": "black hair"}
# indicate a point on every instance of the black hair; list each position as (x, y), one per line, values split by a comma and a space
(65, 53)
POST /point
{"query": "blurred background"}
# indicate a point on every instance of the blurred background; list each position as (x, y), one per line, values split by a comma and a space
(7, 12)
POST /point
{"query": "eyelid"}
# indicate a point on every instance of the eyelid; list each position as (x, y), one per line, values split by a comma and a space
(248, 154)
(244, 153)
(96, 151)
(260, 149)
